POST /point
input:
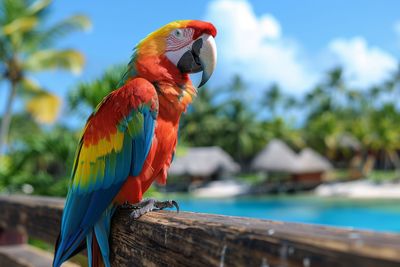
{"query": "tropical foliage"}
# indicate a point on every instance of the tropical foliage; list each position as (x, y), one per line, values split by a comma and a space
(84, 98)
(41, 163)
(27, 46)
(334, 118)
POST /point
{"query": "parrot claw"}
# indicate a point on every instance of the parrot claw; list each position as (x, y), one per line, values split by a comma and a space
(148, 205)
(167, 204)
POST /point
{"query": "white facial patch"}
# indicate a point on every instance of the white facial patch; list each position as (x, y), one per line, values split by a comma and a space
(175, 56)
(178, 42)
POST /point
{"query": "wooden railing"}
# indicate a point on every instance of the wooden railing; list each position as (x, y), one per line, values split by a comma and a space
(194, 239)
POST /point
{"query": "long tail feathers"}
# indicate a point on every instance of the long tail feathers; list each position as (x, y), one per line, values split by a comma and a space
(66, 249)
(97, 241)
(94, 256)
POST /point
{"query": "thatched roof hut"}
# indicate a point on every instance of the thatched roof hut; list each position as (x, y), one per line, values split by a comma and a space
(275, 157)
(309, 161)
(203, 161)
(278, 157)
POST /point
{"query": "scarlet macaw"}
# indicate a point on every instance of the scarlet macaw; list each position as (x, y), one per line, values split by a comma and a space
(129, 141)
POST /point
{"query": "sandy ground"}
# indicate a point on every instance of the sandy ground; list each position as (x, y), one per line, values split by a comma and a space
(359, 189)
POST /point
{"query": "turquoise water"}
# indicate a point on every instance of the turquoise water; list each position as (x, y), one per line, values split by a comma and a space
(378, 215)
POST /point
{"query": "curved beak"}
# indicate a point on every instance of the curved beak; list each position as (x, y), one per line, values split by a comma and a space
(208, 58)
(202, 57)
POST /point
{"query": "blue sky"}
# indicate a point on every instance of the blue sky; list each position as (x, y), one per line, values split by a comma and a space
(289, 42)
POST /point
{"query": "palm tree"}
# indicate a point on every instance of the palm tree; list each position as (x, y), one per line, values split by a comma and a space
(26, 48)
(272, 98)
(201, 126)
(241, 133)
(87, 95)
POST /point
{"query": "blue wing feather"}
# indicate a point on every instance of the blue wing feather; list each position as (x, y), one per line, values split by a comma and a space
(85, 206)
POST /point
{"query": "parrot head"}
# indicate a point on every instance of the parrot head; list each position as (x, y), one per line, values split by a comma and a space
(176, 50)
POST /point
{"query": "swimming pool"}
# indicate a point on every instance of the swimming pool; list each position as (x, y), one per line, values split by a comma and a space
(378, 215)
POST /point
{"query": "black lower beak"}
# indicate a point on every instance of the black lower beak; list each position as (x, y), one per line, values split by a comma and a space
(190, 60)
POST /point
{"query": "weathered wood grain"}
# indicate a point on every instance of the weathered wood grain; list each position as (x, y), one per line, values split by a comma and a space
(193, 239)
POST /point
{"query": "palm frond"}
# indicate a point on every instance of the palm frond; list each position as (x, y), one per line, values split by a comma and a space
(28, 88)
(3, 49)
(12, 9)
(20, 25)
(68, 59)
(47, 37)
(38, 6)
(44, 107)
(89, 94)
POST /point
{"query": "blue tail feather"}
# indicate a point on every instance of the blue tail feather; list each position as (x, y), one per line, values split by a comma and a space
(102, 231)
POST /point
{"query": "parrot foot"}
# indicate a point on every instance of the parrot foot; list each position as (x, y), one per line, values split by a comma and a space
(126, 206)
(150, 204)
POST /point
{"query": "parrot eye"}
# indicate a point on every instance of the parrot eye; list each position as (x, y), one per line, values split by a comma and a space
(178, 38)
(178, 33)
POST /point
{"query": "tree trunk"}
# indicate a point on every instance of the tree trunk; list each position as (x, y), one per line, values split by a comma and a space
(396, 161)
(5, 122)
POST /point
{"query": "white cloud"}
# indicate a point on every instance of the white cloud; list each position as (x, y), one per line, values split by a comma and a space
(255, 48)
(363, 65)
(269, 27)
